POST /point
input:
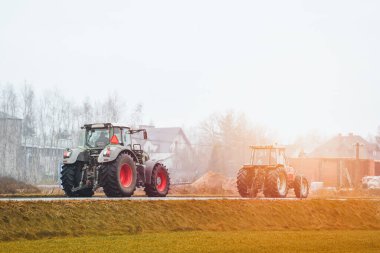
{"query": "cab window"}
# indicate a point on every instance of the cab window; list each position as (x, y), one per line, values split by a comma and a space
(97, 138)
(126, 138)
(281, 157)
(117, 133)
(273, 158)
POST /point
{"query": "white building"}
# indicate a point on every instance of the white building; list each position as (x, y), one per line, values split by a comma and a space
(170, 145)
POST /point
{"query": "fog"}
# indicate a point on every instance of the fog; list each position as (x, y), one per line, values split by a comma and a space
(292, 66)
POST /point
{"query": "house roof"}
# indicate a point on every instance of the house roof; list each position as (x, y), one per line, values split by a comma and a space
(344, 147)
(166, 134)
(4, 115)
(164, 137)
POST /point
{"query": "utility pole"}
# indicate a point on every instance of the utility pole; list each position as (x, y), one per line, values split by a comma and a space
(357, 160)
(357, 150)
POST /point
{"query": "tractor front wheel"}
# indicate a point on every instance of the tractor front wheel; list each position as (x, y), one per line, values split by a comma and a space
(119, 177)
(70, 177)
(159, 182)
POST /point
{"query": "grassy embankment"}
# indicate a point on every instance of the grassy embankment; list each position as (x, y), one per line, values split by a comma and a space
(37, 220)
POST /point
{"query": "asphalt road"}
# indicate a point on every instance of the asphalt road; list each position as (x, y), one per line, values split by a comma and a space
(170, 198)
(25, 199)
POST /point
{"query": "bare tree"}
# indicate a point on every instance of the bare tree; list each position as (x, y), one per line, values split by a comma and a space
(49, 123)
(9, 101)
(87, 111)
(28, 111)
(112, 110)
(225, 139)
(136, 115)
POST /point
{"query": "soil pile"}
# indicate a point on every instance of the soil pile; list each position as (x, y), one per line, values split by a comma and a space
(10, 185)
(211, 183)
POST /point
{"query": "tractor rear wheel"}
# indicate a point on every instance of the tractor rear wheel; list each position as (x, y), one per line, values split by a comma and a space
(119, 177)
(301, 189)
(276, 184)
(70, 177)
(160, 182)
(244, 184)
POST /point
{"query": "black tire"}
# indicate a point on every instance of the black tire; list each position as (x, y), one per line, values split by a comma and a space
(272, 187)
(244, 184)
(119, 177)
(70, 178)
(297, 187)
(160, 182)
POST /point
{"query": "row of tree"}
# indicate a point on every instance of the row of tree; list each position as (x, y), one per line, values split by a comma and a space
(51, 119)
(223, 141)
(32, 146)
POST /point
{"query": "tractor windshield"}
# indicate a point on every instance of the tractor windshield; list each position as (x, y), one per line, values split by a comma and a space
(263, 157)
(97, 138)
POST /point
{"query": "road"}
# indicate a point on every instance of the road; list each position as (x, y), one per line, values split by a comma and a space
(170, 198)
(27, 199)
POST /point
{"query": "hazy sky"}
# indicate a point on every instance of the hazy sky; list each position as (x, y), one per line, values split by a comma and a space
(290, 65)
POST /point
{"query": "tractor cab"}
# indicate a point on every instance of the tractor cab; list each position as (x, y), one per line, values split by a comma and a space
(98, 136)
(267, 156)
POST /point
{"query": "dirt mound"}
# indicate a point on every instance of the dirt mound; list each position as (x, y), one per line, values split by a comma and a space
(209, 183)
(10, 185)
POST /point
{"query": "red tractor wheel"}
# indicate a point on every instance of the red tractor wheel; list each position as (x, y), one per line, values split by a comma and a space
(125, 175)
(119, 177)
(160, 182)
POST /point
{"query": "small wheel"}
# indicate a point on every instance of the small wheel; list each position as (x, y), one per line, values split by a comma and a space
(160, 182)
(301, 189)
(276, 183)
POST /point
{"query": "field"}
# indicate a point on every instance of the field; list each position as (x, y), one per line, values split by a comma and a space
(245, 241)
(191, 226)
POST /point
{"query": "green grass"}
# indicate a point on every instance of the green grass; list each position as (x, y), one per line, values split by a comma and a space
(269, 241)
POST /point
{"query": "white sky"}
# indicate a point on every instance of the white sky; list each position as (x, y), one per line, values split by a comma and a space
(293, 66)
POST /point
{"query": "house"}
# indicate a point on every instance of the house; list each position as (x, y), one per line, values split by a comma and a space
(340, 162)
(344, 146)
(171, 145)
(165, 140)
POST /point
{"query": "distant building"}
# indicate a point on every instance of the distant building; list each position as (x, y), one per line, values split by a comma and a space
(334, 162)
(10, 143)
(343, 146)
(40, 164)
(171, 145)
(22, 160)
(165, 140)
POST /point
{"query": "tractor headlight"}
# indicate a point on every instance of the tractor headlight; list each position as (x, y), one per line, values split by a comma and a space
(67, 153)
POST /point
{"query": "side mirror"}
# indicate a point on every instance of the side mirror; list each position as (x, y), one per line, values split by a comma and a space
(145, 135)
